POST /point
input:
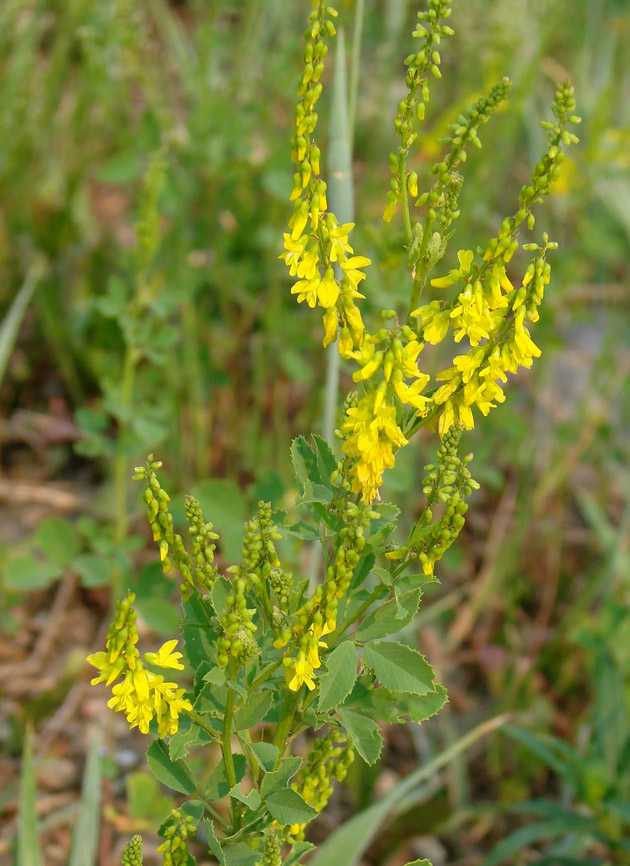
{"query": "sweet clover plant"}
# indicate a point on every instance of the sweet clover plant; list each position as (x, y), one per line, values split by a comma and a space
(290, 678)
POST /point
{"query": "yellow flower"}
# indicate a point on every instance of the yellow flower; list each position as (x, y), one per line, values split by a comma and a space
(351, 269)
(294, 251)
(328, 290)
(331, 323)
(165, 657)
(306, 290)
(339, 245)
(300, 673)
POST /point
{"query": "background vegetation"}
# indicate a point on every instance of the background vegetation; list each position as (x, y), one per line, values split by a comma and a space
(110, 347)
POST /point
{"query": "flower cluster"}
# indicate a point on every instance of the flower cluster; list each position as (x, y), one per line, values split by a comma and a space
(316, 242)
(447, 484)
(412, 105)
(318, 617)
(141, 694)
(259, 560)
(328, 760)
(132, 854)
(177, 831)
(197, 575)
(370, 429)
(272, 847)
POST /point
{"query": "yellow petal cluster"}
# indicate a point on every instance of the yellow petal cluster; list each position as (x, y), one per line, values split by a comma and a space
(141, 694)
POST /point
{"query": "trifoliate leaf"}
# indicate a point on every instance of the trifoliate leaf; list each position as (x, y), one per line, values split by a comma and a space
(385, 620)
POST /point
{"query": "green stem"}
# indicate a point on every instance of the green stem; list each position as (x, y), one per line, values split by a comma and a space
(284, 725)
(226, 747)
(376, 593)
(198, 720)
(214, 812)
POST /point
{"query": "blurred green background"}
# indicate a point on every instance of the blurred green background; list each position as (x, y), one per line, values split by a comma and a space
(201, 355)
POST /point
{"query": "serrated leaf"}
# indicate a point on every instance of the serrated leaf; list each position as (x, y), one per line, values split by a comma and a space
(288, 807)
(340, 676)
(198, 632)
(326, 460)
(251, 799)
(399, 668)
(254, 710)
(385, 619)
(213, 843)
(217, 786)
(220, 592)
(174, 774)
(266, 755)
(187, 736)
(419, 708)
(216, 676)
(279, 779)
(363, 733)
(304, 463)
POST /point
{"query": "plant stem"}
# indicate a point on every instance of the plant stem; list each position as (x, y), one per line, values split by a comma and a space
(198, 720)
(226, 747)
(284, 725)
(355, 65)
(355, 616)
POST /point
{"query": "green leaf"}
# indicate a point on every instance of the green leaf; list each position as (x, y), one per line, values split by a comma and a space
(93, 569)
(213, 842)
(340, 676)
(423, 862)
(326, 460)
(187, 736)
(223, 503)
(241, 855)
(28, 850)
(266, 754)
(174, 774)
(385, 619)
(87, 829)
(363, 732)
(279, 779)
(545, 747)
(217, 786)
(304, 463)
(252, 799)
(399, 668)
(299, 850)
(254, 710)
(219, 594)
(287, 807)
(419, 708)
(216, 676)
(145, 798)
(159, 614)
(26, 572)
(57, 540)
(198, 632)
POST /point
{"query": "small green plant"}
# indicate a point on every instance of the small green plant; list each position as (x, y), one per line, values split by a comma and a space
(272, 656)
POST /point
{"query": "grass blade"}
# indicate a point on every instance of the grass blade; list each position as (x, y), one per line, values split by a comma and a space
(10, 327)
(88, 826)
(28, 852)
